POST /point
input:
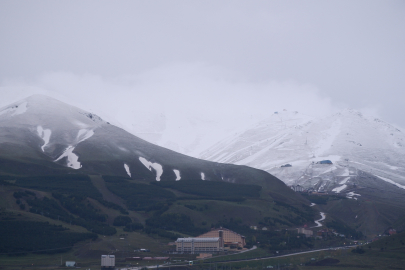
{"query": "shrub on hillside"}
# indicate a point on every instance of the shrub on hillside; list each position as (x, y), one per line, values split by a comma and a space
(122, 220)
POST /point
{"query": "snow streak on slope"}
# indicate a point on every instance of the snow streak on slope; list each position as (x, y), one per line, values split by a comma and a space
(339, 189)
(45, 135)
(156, 166)
(177, 173)
(344, 181)
(83, 135)
(391, 182)
(127, 170)
(72, 158)
(351, 195)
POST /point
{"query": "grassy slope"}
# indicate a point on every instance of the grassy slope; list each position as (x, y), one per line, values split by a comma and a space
(369, 215)
(250, 211)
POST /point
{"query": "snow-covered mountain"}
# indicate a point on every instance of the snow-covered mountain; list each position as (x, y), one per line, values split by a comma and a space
(40, 135)
(348, 139)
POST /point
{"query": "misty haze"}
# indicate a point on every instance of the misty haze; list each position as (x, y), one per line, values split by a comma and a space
(202, 134)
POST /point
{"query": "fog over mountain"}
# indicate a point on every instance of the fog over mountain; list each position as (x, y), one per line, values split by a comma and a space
(185, 74)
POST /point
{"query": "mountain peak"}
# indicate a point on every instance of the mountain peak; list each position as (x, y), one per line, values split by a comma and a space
(350, 112)
(48, 111)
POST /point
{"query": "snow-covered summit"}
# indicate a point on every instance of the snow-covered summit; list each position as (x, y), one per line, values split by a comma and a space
(347, 138)
(48, 109)
(61, 127)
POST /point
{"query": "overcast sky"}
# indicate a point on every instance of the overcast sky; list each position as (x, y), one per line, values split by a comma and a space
(217, 59)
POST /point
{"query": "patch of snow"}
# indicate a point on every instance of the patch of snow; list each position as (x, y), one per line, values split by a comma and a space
(73, 162)
(72, 158)
(351, 195)
(339, 189)
(391, 182)
(318, 222)
(44, 134)
(16, 109)
(123, 149)
(127, 169)
(83, 135)
(356, 216)
(312, 204)
(177, 172)
(202, 176)
(156, 166)
(22, 108)
(344, 181)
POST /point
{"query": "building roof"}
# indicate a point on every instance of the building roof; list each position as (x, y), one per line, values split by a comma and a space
(223, 229)
(190, 239)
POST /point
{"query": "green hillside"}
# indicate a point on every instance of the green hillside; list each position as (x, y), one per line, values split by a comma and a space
(83, 207)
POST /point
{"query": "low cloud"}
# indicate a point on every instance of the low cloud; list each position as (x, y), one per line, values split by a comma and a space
(194, 89)
(185, 107)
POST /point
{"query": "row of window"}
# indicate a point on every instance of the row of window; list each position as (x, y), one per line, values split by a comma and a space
(198, 249)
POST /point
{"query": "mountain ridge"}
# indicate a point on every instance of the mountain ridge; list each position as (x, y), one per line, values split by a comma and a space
(56, 138)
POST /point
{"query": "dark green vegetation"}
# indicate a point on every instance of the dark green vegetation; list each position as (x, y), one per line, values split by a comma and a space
(135, 226)
(19, 237)
(167, 210)
(68, 203)
(122, 221)
(139, 197)
(380, 206)
(385, 243)
(74, 184)
(213, 190)
(174, 222)
(344, 229)
(323, 199)
(190, 207)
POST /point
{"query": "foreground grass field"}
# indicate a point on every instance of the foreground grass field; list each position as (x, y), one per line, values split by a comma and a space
(329, 259)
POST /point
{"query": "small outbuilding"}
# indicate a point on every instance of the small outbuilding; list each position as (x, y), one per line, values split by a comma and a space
(70, 264)
(107, 261)
(327, 161)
